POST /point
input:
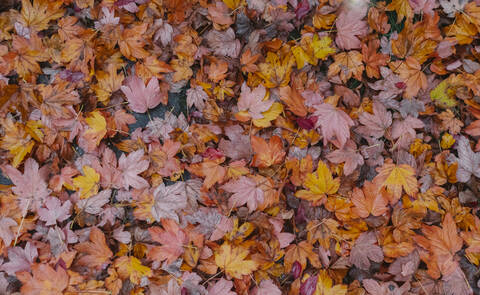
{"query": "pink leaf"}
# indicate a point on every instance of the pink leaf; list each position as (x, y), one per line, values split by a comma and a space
(20, 259)
(348, 155)
(252, 101)
(141, 98)
(266, 287)
(54, 210)
(221, 287)
(376, 124)
(6, 233)
(335, 124)
(350, 26)
(131, 166)
(30, 185)
(365, 250)
(245, 191)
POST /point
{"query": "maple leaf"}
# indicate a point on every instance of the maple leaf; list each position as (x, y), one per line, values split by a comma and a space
(239, 146)
(16, 140)
(168, 200)
(348, 155)
(335, 124)
(221, 287)
(350, 25)
(410, 71)
(30, 187)
(6, 233)
(376, 124)
(369, 200)
(373, 60)
(87, 183)
(404, 130)
(108, 82)
(141, 97)
(395, 177)
(468, 161)
(248, 60)
(94, 204)
(275, 71)
(348, 64)
(232, 260)
(196, 96)
(57, 98)
(224, 43)
(131, 42)
(365, 251)
(325, 285)
(267, 287)
(54, 210)
(45, 280)
(129, 267)
(442, 243)
(20, 259)
(38, 14)
(97, 254)
(172, 238)
(319, 183)
(245, 191)
(300, 252)
(252, 101)
(211, 170)
(267, 154)
(294, 100)
(131, 166)
(97, 130)
(402, 8)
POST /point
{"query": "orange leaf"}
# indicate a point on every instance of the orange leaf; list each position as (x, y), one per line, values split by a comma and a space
(300, 253)
(369, 200)
(211, 170)
(267, 154)
(395, 177)
(410, 71)
(97, 253)
(172, 238)
(45, 280)
(294, 101)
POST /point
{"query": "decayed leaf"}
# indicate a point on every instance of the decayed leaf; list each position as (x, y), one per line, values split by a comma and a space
(348, 155)
(232, 260)
(168, 200)
(365, 250)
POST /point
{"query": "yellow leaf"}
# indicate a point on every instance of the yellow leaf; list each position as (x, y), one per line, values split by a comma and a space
(321, 47)
(108, 82)
(232, 261)
(325, 285)
(130, 267)
(33, 128)
(273, 112)
(319, 183)
(403, 9)
(16, 141)
(395, 177)
(444, 95)
(275, 71)
(87, 183)
(37, 16)
(98, 127)
(447, 141)
(233, 4)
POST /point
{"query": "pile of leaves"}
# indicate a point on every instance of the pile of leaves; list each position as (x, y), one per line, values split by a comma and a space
(221, 147)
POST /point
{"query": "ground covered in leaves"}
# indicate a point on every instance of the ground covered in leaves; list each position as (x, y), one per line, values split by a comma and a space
(202, 147)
